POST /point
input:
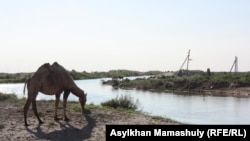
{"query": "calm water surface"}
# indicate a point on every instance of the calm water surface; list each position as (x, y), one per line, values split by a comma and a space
(194, 109)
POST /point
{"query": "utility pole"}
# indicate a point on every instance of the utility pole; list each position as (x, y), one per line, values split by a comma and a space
(186, 60)
(235, 65)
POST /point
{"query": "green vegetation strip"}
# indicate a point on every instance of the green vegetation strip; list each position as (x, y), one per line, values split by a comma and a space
(191, 80)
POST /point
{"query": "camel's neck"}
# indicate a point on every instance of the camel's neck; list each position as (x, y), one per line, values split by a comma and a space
(77, 91)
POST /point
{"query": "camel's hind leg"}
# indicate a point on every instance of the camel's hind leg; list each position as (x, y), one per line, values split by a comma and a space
(25, 109)
(35, 110)
(31, 99)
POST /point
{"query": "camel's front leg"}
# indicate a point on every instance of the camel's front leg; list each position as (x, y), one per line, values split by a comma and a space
(56, 106)
(65, 97)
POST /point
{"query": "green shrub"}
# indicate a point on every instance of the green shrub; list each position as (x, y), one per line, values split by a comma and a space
(124, 101)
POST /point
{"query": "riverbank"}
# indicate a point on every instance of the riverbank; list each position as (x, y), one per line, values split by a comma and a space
(236, 92)
(91, 126)
(218, 84)
(233, 92)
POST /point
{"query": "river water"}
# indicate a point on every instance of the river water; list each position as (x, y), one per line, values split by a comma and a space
(193, 109)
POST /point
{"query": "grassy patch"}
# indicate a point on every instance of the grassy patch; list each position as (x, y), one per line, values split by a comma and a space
(124, 102)
(157, 117)
(165, 119)
(92, 106)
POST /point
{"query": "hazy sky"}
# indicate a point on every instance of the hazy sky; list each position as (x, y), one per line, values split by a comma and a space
(100, 35)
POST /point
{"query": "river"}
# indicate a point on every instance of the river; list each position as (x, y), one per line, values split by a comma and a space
(193, 109)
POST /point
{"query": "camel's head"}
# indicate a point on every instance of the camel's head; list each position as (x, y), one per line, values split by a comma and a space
(83, 100)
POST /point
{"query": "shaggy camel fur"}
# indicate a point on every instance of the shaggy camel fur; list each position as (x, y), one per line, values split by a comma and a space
(51, 80)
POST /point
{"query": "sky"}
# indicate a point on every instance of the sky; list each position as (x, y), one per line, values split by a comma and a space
(141, 35)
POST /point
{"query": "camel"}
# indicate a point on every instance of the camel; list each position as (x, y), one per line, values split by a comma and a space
(51, 80)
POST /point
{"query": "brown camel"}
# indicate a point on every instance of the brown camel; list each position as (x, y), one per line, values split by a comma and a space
(51, 80)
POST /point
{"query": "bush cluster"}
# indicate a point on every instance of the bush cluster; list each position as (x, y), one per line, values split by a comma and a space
(123, 101)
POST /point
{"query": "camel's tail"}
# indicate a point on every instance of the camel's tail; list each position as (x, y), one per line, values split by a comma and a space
(25, 83)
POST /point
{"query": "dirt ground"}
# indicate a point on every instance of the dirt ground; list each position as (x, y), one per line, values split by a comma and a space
(90, 127)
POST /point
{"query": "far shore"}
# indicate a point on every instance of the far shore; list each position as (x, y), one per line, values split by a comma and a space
(237, 92)
(233, 92)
